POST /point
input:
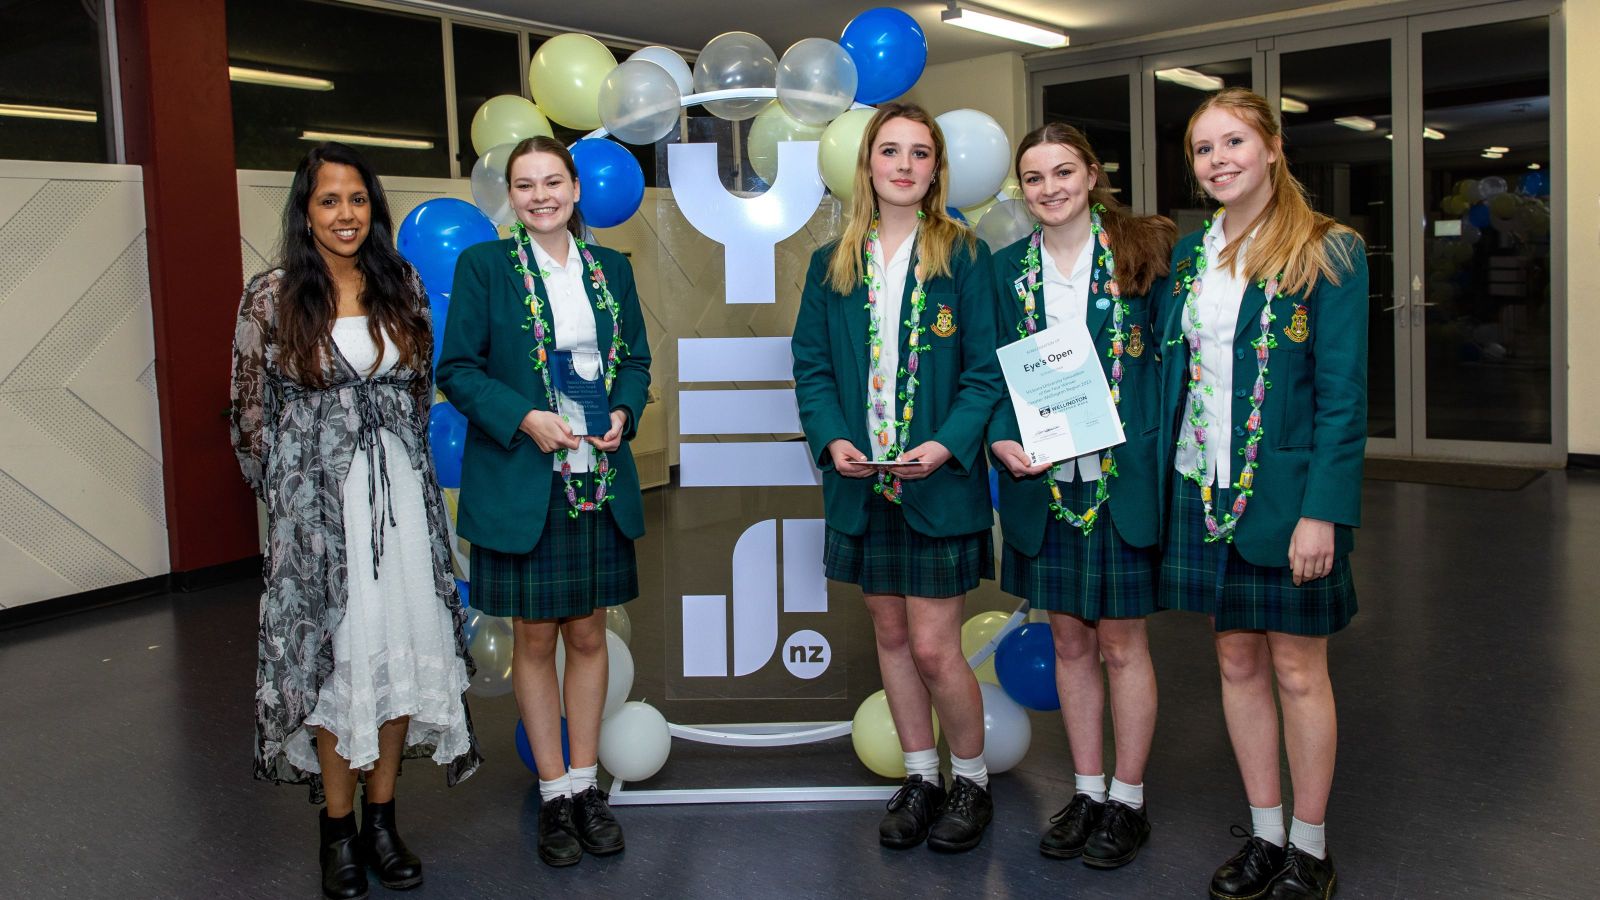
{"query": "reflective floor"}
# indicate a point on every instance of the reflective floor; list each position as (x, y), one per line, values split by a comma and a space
(1468, 688)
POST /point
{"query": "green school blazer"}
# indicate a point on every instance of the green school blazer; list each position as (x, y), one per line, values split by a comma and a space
(485, 370)
(1135, 492)
(1314, 417)
(959, 384)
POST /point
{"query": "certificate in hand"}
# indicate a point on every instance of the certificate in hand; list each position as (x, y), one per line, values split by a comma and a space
(1060, 394)
(588, 393)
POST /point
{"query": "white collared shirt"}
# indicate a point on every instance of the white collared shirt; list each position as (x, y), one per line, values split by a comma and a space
(573, 317)
(1066, 303)
(1221, 294)
(891, 279)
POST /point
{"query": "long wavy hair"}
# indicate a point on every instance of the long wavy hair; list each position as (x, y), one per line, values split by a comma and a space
(939, 234)
(307, 297)
(1142, 244)
(1292, 238)
(541, 144)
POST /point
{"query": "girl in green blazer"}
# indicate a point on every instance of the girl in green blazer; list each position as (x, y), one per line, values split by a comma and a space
(1081, 534)
(1264, 395)
(551, 512)
(896, 378)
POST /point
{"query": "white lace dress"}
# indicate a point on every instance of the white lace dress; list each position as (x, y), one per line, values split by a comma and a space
(394, 650)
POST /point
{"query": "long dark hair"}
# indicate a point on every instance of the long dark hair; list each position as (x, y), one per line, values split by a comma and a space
(307, 298)
(541, 144)
(1143, 244)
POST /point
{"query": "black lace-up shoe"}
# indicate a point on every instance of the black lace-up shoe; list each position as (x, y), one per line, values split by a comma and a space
(558, 837)
(595, 826)
(1304, 876)
(386, 854)
(1248, 874)
(967, 812)
(911, 812)
(1123, 830)
(1070, 828)
(343, 875)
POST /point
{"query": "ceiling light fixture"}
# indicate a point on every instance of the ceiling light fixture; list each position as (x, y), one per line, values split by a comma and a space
(1112, 167)
(24, 111)
(1007, 27)
(1356, 123)
(1189, 78)
(1433, 134)
(1534, 167)
(367, 140)
(278, 79)
(1498, 149)
(1490, 154)
(1291, 105)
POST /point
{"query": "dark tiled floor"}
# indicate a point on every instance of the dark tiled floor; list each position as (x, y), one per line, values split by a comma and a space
(1468, 690)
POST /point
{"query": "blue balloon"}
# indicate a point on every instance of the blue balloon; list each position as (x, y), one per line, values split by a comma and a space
(465, 590)
(955, 213)
(889, 50)
(610, 181)
(1479, 215)
(1026, 664)
(447, 432)
(994, 488)
(1536, 184)
(525, 749)
(439, 304)
(436, 232)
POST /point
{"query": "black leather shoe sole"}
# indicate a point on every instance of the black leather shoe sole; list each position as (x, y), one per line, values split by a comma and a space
(403, 884)
(955, 846)
(1104, 862)
(1061, 852)
(560, 861)
(602, 849)
(905, 843)
(1219, 895)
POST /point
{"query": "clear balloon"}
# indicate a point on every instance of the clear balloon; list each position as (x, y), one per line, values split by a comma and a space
(977, 631)
(668, 58)
(1005, 223)
(841, 145)
(610, 181)
(491, 649)
(489, 188)
(979, 154)
(634, 742)
(618, 623)
(435, 232)
(737, 59)
(639, 102)
(1491, 186)
(447, 434)
(876, 740)
(619, 672)
(772, 127)
(1006, 730)
(1026, 663)
(816, 81)
(889, 50)
(565, 77)
(506, 119)
(976, 212)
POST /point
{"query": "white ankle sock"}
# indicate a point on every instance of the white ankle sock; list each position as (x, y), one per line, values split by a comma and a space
(1129, 795)
(924, 763)
(555, 787)
(1311, 839)
(1092, 786)
(972, 769)
(1267, 823)
(583, 779)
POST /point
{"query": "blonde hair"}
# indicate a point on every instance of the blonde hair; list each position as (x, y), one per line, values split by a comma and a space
(1293, 238)
(936, 240)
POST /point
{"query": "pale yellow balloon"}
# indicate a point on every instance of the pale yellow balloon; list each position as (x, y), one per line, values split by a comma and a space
(565, 77)
(772, 126)
(876, 740)
(506, 119)
(977, 631)
(841, 144)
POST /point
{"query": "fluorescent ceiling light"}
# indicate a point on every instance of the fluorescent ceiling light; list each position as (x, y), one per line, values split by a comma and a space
(1003, 27)
(1291, 105)
(367, 140)
(1498, 149)
(1490, 154)
(1112, 167)
(23, 111)
(278, 79)
(1189, 78)
(1356, 123)
(1389, 136)
(1433, 134)
(1534, 167)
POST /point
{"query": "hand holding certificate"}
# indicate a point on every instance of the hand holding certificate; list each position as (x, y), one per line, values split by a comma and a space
(1060, 395)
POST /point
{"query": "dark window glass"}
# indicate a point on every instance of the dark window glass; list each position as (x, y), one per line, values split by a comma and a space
(1099, 108)
(646, 155)
(1178, 91)
(50, 66)
(486, 66)
(387, 72)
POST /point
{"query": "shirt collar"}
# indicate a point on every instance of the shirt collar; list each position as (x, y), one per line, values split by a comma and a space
(1216, 241)
(1080, 268)
(548, 264)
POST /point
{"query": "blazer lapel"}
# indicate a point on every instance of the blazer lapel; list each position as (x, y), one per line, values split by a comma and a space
(856, 321)
(546, 317)
(602, 316)
(1095, 315)
(1250, 311)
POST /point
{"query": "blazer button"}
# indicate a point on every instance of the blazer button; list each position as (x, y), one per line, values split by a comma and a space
(1239, 392)
(1238, 354)
(1238, 431)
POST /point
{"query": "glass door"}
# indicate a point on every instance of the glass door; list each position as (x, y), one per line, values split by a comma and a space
(1174, 86)
(1103, 102)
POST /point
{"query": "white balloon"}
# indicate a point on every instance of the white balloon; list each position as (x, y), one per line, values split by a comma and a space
(639, 102)
(1005, 223)
(490, 190)
(634, 742)
(1006, 729)
(619, 672)
(668, 58)
(979, 154)
(816, 81)
(737, 59)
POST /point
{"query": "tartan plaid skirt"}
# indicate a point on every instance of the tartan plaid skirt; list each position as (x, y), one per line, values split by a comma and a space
(1214, 579)
(1092, 576)
(891, 558)
(578, 565)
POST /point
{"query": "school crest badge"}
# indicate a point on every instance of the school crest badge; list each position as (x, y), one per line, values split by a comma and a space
(944, 323)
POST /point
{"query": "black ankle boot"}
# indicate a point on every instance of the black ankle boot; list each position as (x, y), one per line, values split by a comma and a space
(396, 867)
(343, 875)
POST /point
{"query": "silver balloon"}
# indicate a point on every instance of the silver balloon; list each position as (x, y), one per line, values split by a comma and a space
(737, 59)
(639, 102)
(1006, 223)
(492, 650)
(489, 188)
(816, 81)
(1489, 187)
(618, 622)
(773, 126)
(668, 58)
